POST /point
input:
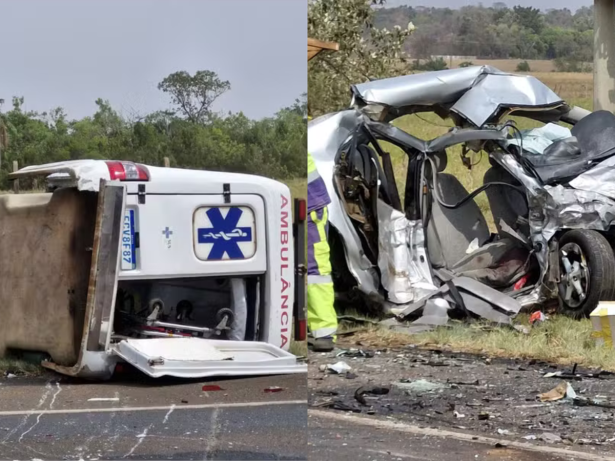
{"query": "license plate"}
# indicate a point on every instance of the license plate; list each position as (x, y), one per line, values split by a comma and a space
(129, 261)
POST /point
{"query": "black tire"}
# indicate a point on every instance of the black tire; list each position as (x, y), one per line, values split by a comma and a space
(600, 261)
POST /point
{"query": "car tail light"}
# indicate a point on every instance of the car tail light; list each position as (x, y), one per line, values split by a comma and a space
(301, 207)
(127, 171)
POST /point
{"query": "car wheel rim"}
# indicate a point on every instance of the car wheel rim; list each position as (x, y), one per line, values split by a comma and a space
(574, 280)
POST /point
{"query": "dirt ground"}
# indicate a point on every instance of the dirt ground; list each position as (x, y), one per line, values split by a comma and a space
(488, 397)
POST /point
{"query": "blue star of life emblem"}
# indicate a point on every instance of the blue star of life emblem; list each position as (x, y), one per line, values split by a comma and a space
(225, 234)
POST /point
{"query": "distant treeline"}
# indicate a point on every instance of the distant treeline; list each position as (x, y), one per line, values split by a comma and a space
(191, 135)
(495, 32)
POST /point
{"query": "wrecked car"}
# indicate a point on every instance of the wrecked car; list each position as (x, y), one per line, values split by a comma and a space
(178, 272)
(427, 253)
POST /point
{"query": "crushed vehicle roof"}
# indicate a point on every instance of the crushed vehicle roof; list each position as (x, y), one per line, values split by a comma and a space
(475, 93)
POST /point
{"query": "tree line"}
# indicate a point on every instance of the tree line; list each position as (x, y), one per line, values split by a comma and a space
(189, 133)
(376, 41)
(497, 32)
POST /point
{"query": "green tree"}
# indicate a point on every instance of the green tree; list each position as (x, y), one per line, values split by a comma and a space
(366, 52)
(529, 18)
(194, 94)
(524, 66)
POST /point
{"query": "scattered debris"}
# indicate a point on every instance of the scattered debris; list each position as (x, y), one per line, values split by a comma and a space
(562, 390)
(274, 389)
(538, 317)
(336, 405)
(361, 391)
(350, 375)
(420, 386)
(550, 438)
(355, 353)
(339, 367)
(578, 376)
(330, 393)
(584, 402)
(562, 375)
(453, 398)
(358, 395)
(522, 329)
(378, 391)
(464, 383)
(211, 388)
(10, 375)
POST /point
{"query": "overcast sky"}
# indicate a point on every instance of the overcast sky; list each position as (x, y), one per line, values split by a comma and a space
(68, 53)
(542, 4)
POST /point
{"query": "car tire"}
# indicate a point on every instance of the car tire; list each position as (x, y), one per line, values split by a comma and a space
(597, 277)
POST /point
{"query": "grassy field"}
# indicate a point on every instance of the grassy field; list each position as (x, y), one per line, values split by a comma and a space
(558, 340)
(508, 65)
(298, 187)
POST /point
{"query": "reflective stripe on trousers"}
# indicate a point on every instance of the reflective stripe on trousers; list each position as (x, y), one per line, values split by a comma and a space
(322, 318)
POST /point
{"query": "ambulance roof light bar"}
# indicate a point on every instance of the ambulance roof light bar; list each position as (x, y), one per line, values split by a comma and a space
(127, 171)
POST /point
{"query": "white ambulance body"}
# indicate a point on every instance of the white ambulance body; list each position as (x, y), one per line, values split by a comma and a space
(192, 273)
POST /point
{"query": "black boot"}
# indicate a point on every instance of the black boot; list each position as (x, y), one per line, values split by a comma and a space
(322, 344)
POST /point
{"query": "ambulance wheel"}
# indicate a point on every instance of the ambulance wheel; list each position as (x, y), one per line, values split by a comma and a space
(587, 272)
(225, 311)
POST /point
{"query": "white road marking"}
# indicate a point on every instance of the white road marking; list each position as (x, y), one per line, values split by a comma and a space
(166, 417)
(141, 437)
(152, 408)
(462, 436)
(25, 419)
(104, 399)
(53, 399)
(40, 404)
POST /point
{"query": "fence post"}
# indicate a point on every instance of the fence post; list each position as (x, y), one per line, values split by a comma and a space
(16, 181)
(167, 162)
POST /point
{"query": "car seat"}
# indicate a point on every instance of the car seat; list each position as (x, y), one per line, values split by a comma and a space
(449, 232)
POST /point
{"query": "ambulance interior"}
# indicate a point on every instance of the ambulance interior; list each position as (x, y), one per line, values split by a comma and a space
(204, 307)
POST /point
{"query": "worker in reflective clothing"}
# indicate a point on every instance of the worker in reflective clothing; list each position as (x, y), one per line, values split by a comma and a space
(322, 319)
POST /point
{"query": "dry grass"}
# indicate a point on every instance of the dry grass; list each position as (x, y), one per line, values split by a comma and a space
(298, 187)
(509, 65)
(299, 348)
(558, 340)
(20, 366)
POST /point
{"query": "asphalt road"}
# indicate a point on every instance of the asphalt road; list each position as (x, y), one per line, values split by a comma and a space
(342, 437)
(139, 418)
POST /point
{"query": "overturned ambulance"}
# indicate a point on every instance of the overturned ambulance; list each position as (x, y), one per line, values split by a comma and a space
(178, 272)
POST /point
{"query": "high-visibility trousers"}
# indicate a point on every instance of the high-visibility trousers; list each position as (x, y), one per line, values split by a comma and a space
(322, 318)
